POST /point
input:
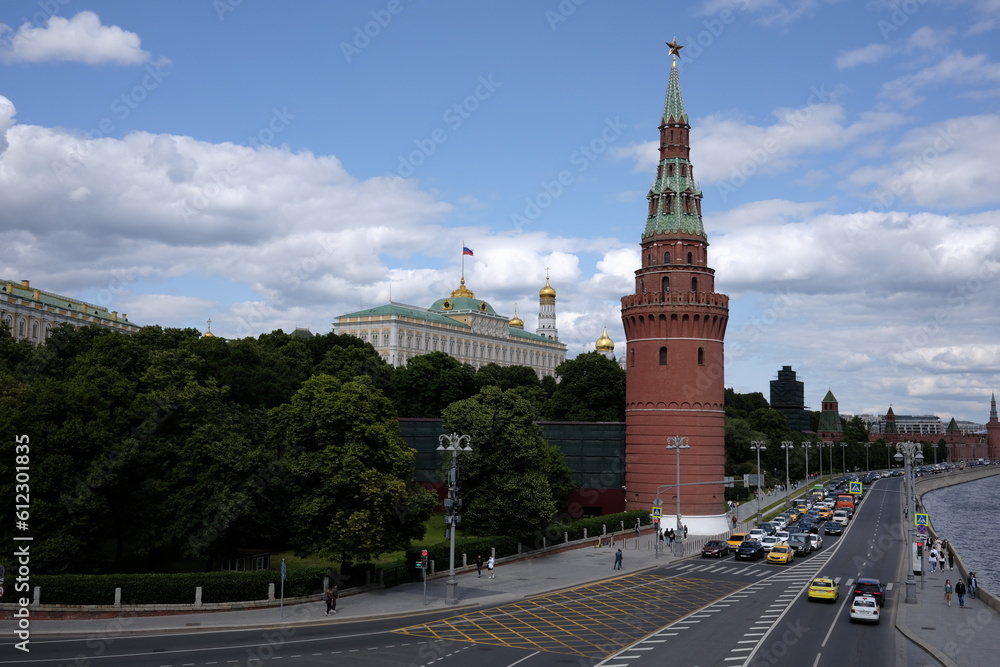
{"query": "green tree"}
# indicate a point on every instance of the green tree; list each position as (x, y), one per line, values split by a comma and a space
(430, 383)
(510, 481)
(351, 491)
(591, 388)
(350, 357)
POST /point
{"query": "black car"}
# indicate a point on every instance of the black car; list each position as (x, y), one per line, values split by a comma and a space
(833, 528)
(750, 550)
(873, 587)
(768, 528)
(715, 548)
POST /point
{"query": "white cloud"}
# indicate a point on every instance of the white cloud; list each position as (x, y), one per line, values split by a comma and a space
(769, 12)
(79, 39)
(954, 69)
(866, 55)
(7, 113)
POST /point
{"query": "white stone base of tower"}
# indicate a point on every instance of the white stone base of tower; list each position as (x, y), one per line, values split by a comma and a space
(700, 526)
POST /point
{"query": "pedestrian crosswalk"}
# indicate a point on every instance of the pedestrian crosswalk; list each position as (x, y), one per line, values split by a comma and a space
(803, 570)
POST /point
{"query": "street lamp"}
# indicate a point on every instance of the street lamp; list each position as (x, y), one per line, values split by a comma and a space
(787, 445)
(455, 443)
(819, 446)
(908, 453)
(829, 443)
(758, 446)
(807, 446)
(677, 443)
(843, 457)
(868, 466)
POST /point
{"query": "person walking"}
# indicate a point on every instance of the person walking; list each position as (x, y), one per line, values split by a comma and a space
(618, 560)
(947, 591)
(972, 585)
(960, 591)
(734, 521)
(932, 558)
(941, 559)
(479, 565)
(951, 560)
(489, 566)
(330, 597)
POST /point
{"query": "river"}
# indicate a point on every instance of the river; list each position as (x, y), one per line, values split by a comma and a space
(964, 515)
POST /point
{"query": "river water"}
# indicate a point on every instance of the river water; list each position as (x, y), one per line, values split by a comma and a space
(965, 515)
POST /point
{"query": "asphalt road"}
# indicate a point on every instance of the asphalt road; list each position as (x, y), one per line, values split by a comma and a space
(688, 612)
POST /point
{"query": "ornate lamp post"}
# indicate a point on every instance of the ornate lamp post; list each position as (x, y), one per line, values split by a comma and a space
(807, 446)
(787, 445)
(819, 446)
(829, 443)
(758, 446)
(843, 457)
(677, 443)
(908, 453)
(455, 443)
(868, 466)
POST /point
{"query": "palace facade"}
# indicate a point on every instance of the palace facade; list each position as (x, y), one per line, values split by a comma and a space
(30, 313)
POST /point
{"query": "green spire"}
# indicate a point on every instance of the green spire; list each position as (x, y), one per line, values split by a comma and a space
(673, 106)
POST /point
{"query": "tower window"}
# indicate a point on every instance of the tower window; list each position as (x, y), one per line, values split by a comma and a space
(694, 284)
(701, 356)
(670, 168)
(631, 357)
(683, 170)
(663, 356)
(690, 258)
(666, 257)
(665, 284)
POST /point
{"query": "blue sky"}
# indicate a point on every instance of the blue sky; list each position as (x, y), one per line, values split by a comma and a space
(272, 165)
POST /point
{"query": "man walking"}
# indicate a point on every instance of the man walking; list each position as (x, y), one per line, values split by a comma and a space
(972, 585)
(960, 592)
(330, 597)
(618, 560)
(479, 565)
(932, 558)
(489, 566)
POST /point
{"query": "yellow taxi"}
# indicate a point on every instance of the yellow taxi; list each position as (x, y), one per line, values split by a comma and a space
(823, 588)
(736, 539)
(825, 513)
(780, 553)
(793, 515)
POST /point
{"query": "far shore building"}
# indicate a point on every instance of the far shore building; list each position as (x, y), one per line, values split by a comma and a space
(31, 313)
(467, 328)
(965, 442)
(788, 398)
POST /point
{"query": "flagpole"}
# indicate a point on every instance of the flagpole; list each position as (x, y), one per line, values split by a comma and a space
(463, 259)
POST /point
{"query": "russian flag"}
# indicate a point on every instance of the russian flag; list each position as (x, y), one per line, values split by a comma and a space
(466, 251)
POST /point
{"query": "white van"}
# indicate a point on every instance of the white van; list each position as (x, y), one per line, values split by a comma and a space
(841, 517)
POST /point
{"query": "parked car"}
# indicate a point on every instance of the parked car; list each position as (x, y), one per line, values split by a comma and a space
(867, 586)
(823, 588)
(865, 608)
(715, 549)
(781, 553)
(750, 550)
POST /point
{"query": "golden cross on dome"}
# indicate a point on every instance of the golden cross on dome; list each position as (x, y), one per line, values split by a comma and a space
(675, 48)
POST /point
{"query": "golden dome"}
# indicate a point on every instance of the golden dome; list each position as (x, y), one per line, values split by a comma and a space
(463, 291)
(516, 321)
(547, 290)
(604, 343)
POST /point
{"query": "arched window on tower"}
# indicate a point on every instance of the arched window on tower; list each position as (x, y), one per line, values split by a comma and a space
(666, 257)
(683, 170)
(690, 258)
(670, 169)
(663, 356)
(665, 284)
(631, 357)
(671, 136)
(670, 203)
(701, 356)
(694, 284)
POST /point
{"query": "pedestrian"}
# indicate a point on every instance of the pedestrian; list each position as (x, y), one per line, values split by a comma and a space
(618, 560)
(734, 521)
(671, 536)
(489, 566)
(960, 591)
(941, 559)
(638, 531)
(947, 591)
(330, 597)
(479, 565)
(972, 585)
(685, 531)
(932, 557)
(951, 560)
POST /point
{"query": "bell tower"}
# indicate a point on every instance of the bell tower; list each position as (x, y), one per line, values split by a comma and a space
(675, 323)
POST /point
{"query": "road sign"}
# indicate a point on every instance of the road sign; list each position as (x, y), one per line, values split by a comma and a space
(854, 487)
(284, 570)
(922, 530)
(921, 519)
(657, 512)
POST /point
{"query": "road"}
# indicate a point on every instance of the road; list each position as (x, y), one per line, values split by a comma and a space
(693, 612)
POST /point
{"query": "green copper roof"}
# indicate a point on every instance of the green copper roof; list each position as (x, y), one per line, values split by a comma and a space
(673, 106)
(404, 311)
(829, 398)
(453, 303)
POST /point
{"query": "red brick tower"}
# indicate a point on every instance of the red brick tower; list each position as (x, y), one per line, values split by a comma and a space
(993, 431)
(674, 329)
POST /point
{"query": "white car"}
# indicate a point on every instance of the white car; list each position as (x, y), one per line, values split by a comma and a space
(779, 522)
(841, 517)
(768, 542)
(782, 535)
(864, 608)
(817, 541)
(756, 535)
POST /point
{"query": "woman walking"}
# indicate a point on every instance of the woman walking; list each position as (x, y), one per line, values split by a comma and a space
(947, 591)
